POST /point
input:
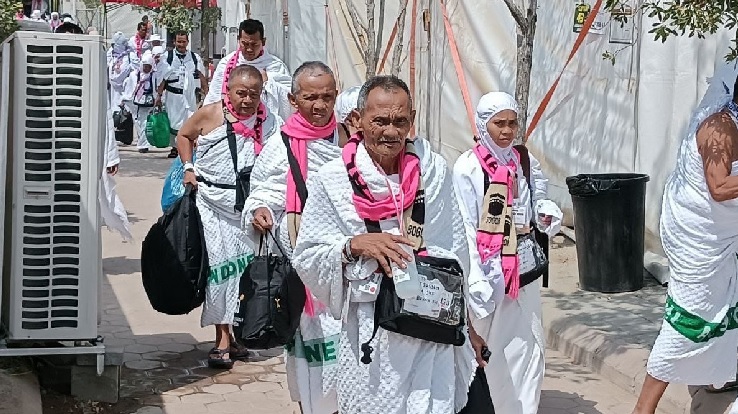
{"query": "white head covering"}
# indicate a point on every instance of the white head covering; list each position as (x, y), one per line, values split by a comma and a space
(68, 20)
(147, 59)
(155, 38)
(490, 105)
(36, 15)
(346, 102)
(157, 50)
(54, 15)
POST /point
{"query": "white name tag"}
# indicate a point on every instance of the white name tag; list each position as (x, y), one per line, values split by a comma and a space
(519, 215)
(432, 299)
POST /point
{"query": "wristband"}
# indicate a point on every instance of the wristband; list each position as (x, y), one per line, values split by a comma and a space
(188, 166)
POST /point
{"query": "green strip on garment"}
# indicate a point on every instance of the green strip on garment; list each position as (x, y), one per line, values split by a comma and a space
(224, 271)
(695, 328)
(317, 352)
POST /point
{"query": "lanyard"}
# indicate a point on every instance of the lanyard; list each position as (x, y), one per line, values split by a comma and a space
(398, 207)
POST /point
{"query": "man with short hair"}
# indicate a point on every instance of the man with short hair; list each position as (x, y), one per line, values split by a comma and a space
(310, 135)
(180, 83)
(139, 42)
(388, 196)
(252, 51)
(240, 116)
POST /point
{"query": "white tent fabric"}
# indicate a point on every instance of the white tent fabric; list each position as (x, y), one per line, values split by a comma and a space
(627, 117)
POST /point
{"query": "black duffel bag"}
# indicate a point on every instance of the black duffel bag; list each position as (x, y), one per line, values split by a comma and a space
(271, 300)
(174, 261)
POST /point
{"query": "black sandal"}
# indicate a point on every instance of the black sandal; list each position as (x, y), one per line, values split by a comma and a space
(238, 351)
(217, 359)
(173, 153)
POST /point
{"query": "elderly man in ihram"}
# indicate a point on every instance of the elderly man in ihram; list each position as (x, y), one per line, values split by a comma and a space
(699, 232)
(311, 136)
(232, 130)
(382, 223)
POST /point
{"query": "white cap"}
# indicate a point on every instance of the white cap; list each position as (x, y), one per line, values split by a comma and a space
(157, 50)
(147, 58)
(68, 20)
(155, 38)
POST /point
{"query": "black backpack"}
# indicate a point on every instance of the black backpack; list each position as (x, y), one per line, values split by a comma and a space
(174, 262)
(170, 59)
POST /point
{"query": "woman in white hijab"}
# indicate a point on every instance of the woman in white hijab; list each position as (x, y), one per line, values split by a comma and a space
(345, 106)
(505, 308)
(140, 95)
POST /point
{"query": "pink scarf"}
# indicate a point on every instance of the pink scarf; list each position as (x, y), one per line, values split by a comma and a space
(239, 128)
(139, 45)
(300, 132)
(368, 207)
(503, 238)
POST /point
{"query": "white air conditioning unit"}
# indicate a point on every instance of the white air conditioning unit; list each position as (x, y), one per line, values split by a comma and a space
(56, 132)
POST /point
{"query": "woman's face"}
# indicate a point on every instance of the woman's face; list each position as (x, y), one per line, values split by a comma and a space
(503, 128)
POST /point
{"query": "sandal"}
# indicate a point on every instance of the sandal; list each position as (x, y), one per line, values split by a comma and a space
(238, 351)
(217, 359)
(173, 153)
(730, 386)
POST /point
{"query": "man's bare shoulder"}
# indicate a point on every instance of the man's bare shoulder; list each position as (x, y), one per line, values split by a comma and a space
(718, 124)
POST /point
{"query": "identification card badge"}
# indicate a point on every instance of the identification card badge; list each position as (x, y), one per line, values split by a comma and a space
(519, 215)
(182, 70)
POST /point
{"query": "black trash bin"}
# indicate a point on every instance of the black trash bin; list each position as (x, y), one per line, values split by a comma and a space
(609, 221)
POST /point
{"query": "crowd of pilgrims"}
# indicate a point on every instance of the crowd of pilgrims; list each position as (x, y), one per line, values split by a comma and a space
(380, 204)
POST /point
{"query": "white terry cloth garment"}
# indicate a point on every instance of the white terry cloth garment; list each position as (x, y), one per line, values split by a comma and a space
(181, 75)
(138, 86)
(698, 338)
(512, 328)
(346, 103)
(229, 250)
(407, 375)
(112, 211)
(276, 88)
(313, 362)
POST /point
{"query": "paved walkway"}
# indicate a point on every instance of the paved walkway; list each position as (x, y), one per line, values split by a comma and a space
(165, 369)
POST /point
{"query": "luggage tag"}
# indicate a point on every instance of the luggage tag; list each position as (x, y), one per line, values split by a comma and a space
(526, 256)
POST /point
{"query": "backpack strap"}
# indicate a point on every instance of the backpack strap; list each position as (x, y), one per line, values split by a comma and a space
(541, 237)
(170, 57)
(302, 191)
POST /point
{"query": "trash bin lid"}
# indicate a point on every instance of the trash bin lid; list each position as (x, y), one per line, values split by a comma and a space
(586, 185)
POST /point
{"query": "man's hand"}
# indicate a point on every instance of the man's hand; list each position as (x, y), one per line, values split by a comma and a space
(383, 247)
(190, 178)
(157, 103)
(477, 342)
(113, 170)
(263, 221)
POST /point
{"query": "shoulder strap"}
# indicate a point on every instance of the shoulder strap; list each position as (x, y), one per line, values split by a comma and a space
(170, 57)
(194, 58)
(524, 161)
(295, 169)
(232, 146)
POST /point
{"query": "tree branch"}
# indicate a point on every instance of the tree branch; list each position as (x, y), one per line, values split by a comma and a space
(517, 14)
(380, 30)
(360, 29)
(371, 57)
(397, 53)
(352, 30)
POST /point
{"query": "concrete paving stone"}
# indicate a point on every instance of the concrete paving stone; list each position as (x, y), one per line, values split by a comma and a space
(192, 379)
(160, 399)
(265, 361)
(272, 378)
(271, 353)
(221, 389)
(228, 407)
(278, 395)
(280, 369)
(149, 410)
(555, 402)
(176, 347)
(143, 364)
(154, 340)
(113, 329)
(205, 346)
(185, 409)
(180, 391)
(231, 378)
(248, 369)
(167, 372)
(118, 342)
(160, 356)
(206, 371)
(245, 396)
(138, 348)
(261, 387)
(202, 398)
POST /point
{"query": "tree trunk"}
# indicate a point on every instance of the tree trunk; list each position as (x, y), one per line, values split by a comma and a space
(370, 56)
(204, 33)
(397, 53)
(526, 37)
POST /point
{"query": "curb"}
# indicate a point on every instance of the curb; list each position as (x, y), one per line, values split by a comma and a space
(20, 394)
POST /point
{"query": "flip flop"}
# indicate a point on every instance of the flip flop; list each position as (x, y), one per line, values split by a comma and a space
(730, 386)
